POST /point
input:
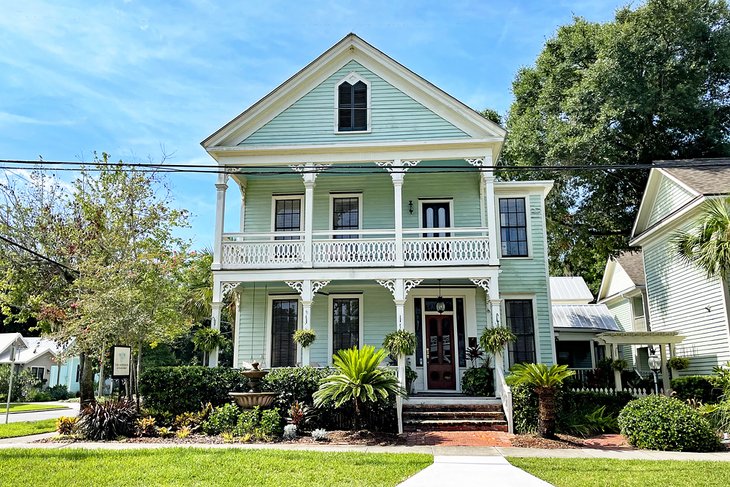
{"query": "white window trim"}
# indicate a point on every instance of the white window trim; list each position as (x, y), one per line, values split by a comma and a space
(278, 197)
(422, 201)
(269, 325)
(43, 372)
(535, 321)
(334, 196)
(330, 321)
(351, 78)
(528, 221)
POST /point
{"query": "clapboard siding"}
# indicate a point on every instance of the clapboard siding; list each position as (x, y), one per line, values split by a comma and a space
(394, 116)
(670, 197)
(529, 276)
(682, 299)
(621, 311)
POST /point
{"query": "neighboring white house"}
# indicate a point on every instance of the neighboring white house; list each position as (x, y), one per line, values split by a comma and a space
(41, 357)
(623, 291)
(368, 204)
(680, 296)
(577, 322)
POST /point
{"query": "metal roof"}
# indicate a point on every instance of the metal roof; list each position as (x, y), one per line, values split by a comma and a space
(584, 317)
(569, 290)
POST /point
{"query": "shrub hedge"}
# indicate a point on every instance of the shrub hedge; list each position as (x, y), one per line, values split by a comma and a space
(478, 381)
(697, 387)
(658, 422)
(572, 407)
(170, 391)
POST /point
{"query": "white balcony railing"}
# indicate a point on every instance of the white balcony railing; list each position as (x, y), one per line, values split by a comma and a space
(356, 248)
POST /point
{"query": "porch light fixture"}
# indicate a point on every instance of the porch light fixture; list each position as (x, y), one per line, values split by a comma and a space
(410, 207)
(440, 303)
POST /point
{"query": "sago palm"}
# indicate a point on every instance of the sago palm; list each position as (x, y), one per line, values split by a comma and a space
(544, 381)
(707, 245)
(358, 380)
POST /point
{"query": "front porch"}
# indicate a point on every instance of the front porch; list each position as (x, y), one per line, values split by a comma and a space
(355, 312)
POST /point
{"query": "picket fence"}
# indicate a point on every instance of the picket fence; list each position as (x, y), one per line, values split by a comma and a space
(607, 390)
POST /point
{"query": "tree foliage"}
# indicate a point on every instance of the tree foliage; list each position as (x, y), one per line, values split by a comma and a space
(652, 84)
(707, 246)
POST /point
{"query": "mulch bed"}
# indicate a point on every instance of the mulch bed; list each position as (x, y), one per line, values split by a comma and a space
(602, 442)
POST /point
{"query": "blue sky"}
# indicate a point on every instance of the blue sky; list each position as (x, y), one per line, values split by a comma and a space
(136, 78)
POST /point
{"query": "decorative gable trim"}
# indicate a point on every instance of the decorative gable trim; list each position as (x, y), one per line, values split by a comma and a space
(354, 48)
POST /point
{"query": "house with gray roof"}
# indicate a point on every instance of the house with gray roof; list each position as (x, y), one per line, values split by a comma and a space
(43, 358)
(678, 296)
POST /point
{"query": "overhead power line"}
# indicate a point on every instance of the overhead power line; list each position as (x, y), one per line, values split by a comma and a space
(355, 168)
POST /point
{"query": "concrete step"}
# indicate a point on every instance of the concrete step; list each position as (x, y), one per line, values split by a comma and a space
(476, 407)
(424, 415)
(455, 425)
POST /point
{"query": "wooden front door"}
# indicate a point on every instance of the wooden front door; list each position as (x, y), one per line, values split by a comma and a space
(440, 352)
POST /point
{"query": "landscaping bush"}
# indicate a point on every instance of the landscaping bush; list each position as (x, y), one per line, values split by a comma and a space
(525, 409)
(176, 390)
(58, 393)
(718, 415)
(658, 422)
(66, 425)
(294, 384)
(108, 420)
(38, 395)
(258, 424)
(23, 382)
(222, 419)
(478, 381)
(697, 388)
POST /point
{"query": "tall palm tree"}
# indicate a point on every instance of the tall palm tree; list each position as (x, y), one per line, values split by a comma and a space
(359, 379)
(544, 381)
(707, 245)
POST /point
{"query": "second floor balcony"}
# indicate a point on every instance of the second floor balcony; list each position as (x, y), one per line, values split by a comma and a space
(357, 248)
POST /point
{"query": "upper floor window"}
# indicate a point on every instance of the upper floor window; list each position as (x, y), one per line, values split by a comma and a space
(346, 214)
(513, 227)
(352, 105)
(288, 216)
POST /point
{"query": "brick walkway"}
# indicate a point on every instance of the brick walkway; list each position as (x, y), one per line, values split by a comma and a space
(459, 438)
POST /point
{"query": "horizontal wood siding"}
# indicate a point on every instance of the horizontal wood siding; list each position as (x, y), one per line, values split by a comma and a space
(621, 312)
(670, 197)
(530, 276)
(682, 299)
(377, 198)
(394, 116)
(251, 330)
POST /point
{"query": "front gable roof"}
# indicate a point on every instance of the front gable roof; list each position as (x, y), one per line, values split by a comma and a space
(622, 274)
(454, 114)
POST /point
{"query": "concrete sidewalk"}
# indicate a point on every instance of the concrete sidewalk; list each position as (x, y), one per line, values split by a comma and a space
(436, 451)
(468, 470)
(69, 409)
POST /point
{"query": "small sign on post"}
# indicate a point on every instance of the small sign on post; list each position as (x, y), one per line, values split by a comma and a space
(121, 362)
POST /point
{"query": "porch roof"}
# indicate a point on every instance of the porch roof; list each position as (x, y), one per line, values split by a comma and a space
(584, 317)
(641, 337)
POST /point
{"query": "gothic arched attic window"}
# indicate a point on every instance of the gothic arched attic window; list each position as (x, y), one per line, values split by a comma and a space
(352, 104)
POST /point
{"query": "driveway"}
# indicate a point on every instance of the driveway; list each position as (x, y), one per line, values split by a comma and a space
(70, 409)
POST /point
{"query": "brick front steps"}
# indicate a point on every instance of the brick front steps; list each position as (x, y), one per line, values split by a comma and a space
(453, 414)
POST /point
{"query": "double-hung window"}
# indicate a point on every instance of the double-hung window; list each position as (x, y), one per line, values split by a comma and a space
(287, 216)
(37, 372)
(521, 321)
(513, 227)
(345, 323)
(345, 214)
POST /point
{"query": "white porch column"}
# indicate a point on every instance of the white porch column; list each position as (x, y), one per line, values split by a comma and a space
(666, 385)
(488, 203)
(398, 204)
(400, 288)
(234, 327)
(220, 210)
(616, 373)
(307, 290)
(672, 354)
(215, 323)
(242, 185)
(309, 179)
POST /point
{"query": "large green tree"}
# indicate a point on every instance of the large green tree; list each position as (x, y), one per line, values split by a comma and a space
(96, 263)
(652, 84)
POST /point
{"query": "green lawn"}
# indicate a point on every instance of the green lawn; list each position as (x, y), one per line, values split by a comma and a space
(25, 428)
(205, 466)
(577, 472)
(30, 407)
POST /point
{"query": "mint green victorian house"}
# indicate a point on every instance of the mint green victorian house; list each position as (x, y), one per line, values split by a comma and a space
(368, 204)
